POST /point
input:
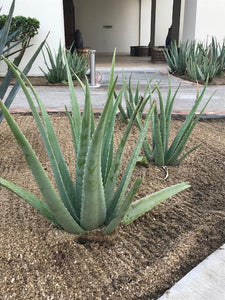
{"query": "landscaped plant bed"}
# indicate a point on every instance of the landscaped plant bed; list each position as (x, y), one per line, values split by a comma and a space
(139, 261)
(42, 81)
(218, 80)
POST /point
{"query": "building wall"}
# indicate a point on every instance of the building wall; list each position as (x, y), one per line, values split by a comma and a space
(164, 11)
(210, 19)
(204, 19)
(145, 22)
(50, 15)
(123, 17)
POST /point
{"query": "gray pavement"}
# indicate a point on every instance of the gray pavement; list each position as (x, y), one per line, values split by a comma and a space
(204, 282)
(55, 97)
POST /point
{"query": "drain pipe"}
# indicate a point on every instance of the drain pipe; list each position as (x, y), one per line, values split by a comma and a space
(92, 67)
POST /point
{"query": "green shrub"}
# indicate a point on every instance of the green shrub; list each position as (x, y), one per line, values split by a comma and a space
(25, 27)
(95, 200)
(56, 66)
(8, 49)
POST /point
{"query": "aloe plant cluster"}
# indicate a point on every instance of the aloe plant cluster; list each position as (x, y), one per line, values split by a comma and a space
(160, 152)
(97, 199)
(56, 65)
(196, 60)
(132, 99)
(9, 49)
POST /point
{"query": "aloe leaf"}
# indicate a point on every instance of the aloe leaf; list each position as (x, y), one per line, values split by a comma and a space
(93, 206)
(63, 179)
(115, 167)
(187, 153)
(174, 156)
(84, 142)
(172, 159)
(162, 120)
(6, 28)
(131, 98)
(141, 206)
(108, 138)
(62, 176)
(55, 204)
(182, 135)
(109, 132)
(124, 207)
(158, 150)
(30, 198)
(14, 90)
(146, 146)
(136, 97)
(121, 190)
(168, 113)
(187, 122)
(75, 108)
(122, 112)
(72, 127)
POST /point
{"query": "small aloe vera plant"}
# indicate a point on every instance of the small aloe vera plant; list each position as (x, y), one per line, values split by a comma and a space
(132, 99)
(161, 153)
(95, 200)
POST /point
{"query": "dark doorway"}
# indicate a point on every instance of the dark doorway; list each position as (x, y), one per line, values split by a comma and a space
(69, 22)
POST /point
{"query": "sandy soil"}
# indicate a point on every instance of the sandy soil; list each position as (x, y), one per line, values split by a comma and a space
(140, 261)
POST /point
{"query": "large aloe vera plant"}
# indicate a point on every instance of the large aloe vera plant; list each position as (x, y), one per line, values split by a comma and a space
(96, 199)
(8, 49)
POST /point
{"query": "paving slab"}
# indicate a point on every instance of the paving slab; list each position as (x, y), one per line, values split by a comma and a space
(204, 282)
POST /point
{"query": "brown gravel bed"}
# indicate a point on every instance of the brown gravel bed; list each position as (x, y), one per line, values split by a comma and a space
(141, 261)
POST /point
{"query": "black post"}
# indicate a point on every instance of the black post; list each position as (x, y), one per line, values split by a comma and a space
(176, 20)
(153, 15)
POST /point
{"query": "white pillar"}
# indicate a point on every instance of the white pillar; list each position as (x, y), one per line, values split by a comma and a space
(145, 22)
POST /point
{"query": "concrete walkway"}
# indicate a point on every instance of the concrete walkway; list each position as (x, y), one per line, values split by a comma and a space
(204, 282)
(56, 97)
(207, 280)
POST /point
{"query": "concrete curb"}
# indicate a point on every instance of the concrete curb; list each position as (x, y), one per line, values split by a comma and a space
(205, 282)
(175, 114)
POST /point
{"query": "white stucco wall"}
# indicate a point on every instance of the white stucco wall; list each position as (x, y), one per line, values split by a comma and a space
(123, 15)
(50, 15)
(204, 19)
(164, 11)
(145, 22)
(210, 19)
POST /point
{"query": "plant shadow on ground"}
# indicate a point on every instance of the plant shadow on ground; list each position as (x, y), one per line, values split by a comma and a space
(140, 261)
